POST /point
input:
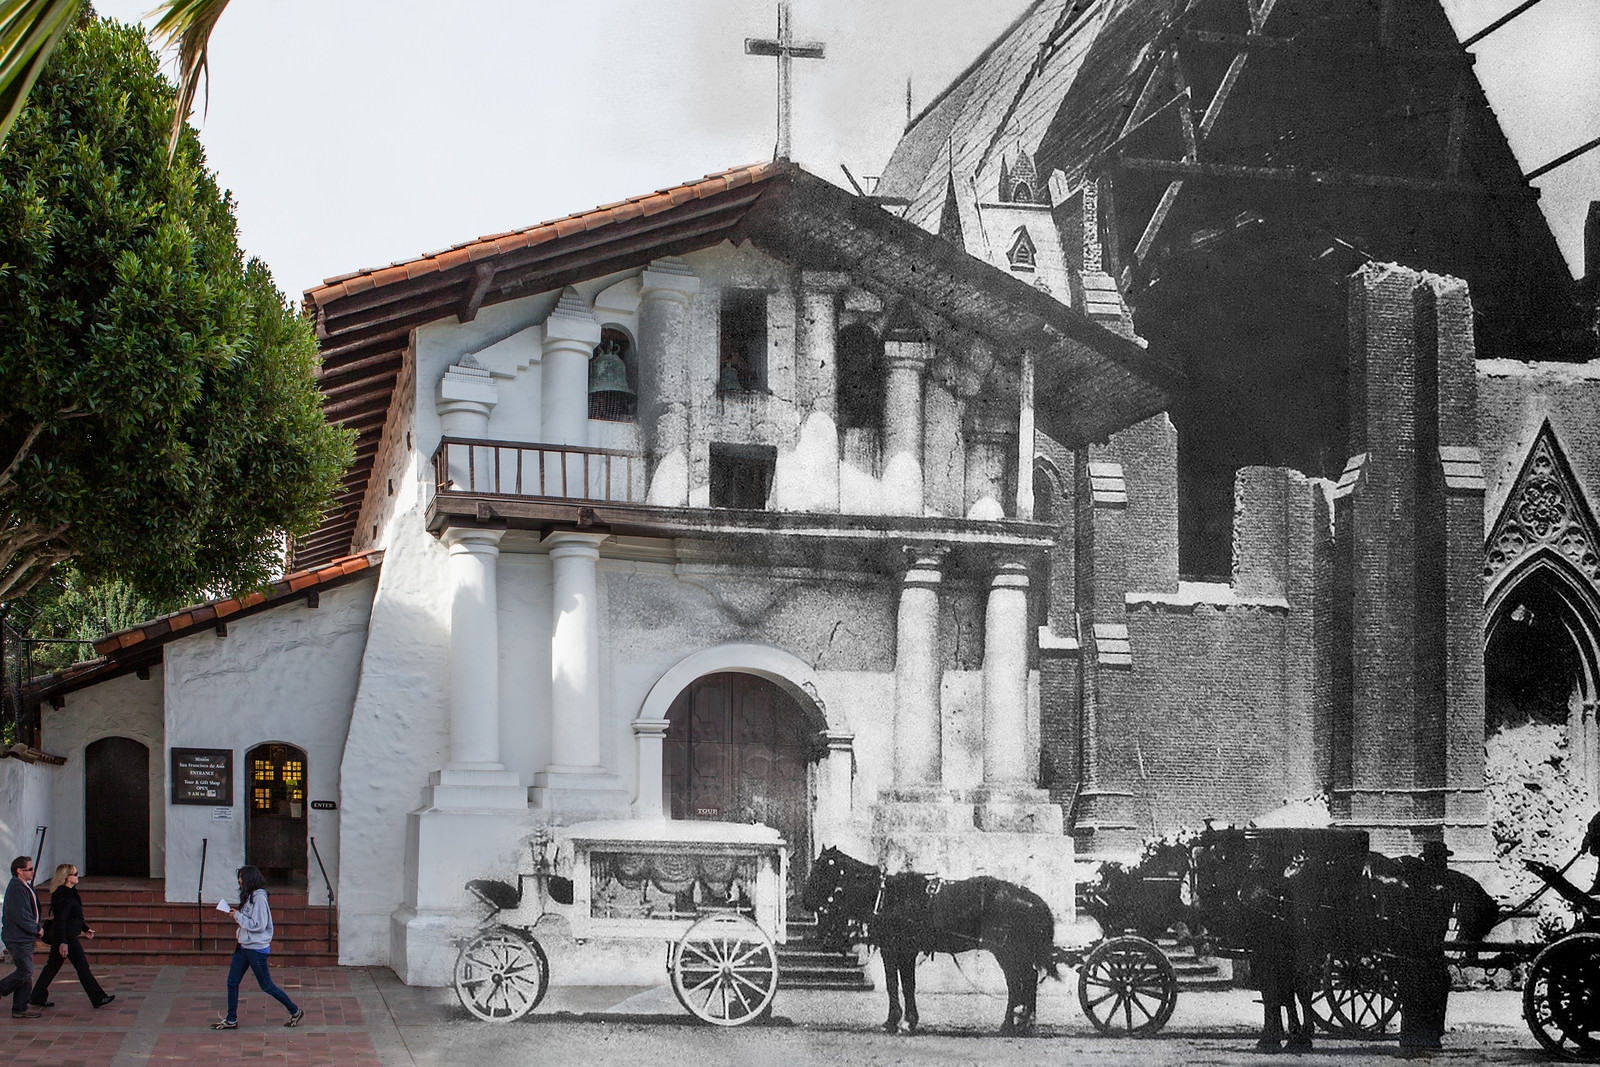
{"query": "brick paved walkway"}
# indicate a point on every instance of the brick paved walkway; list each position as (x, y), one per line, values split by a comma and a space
(164, 1015)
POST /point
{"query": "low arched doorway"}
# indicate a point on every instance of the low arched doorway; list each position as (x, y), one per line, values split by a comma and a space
(1541, 752)
(738, 748)
(116, 808)
(275, 813)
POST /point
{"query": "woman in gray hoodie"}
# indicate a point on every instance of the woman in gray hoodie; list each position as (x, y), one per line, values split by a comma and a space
(254, 918)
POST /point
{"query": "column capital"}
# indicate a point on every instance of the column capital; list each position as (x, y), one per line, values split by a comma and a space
(571, 323)
(1011, 574)
(467, 386)
(825, 281)
(837, 740)
(907, 355)
(472, 540)
(669, 279)
(650, 727)
(564, 543)
(927, 559)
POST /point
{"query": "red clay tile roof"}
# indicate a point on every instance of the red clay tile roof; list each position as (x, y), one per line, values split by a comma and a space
(221, 610)
(139, 646)
(500, 243)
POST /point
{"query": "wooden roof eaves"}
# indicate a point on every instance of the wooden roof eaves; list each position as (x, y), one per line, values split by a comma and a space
(1021, 313)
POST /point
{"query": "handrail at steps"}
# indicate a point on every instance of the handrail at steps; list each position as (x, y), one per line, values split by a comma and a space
(200, 900)
(38, 850)
(332, 904)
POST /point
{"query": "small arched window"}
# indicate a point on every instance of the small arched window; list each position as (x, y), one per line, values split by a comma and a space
(613, 378)
(1023, 253)
(1021, 194)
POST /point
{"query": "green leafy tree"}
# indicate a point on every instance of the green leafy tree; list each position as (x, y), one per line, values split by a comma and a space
(159, 416)
(30, 30)
(66, 612)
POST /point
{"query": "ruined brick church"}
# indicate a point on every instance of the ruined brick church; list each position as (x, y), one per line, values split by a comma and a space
(1356, 556)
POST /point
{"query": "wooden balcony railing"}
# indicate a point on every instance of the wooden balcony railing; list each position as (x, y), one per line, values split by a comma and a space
(537, 471)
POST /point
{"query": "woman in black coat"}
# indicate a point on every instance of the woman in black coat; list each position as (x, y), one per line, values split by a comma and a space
(62, 934)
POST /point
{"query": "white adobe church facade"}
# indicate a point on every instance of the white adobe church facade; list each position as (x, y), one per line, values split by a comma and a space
(728, 528)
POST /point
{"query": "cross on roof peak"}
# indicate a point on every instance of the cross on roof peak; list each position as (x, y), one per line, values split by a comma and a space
(786, 48)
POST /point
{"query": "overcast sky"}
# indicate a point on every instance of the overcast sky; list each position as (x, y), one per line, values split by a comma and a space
(358, 132)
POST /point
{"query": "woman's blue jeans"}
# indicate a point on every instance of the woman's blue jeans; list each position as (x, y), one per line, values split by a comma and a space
(256, 962)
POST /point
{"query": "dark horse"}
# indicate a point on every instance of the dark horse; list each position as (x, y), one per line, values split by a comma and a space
(907, 914)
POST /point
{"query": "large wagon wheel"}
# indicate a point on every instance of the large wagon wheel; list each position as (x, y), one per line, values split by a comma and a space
(1127, 987)
(725, 970)
(1561, 998)
(501, 974)
(1359, 996)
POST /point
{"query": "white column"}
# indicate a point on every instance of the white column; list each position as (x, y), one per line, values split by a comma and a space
(475, 777)
(1005, 680)
(1025, 434)
(668, 287)
(835, 787)
(474, 650)
(906, 355)
(570, 336)
(467, 395)
(918, 738)
(575, 654)
(648, 735)
(807, 477)
(989, 439)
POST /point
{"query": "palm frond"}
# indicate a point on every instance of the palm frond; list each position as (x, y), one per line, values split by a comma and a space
(186, 25)
(29, 32)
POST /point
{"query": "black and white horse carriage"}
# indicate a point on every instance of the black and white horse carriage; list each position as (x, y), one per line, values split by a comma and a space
(713, 892)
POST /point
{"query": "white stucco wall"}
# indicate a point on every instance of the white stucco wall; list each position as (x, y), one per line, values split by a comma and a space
(399, 730)
(121, 707)
(287, 674)
(24, 807)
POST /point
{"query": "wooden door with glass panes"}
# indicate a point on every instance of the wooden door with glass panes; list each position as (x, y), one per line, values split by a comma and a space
(275, 813)
(737, 750)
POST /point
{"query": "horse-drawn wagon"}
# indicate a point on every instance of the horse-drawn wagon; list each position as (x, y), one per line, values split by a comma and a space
(1349, 920)
(714, 892)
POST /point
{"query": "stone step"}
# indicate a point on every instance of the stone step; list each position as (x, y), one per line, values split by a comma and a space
(804, 964)
(138, 926)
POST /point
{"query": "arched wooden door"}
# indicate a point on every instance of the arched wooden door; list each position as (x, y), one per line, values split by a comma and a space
(275, 813)
(737, 750)
(116, 808)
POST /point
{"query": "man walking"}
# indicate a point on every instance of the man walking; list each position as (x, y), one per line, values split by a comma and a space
(19, 929)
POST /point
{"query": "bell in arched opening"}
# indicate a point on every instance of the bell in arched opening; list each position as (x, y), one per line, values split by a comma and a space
(611, 398)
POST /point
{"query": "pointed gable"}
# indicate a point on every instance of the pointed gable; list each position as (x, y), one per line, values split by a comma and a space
(1546, 511)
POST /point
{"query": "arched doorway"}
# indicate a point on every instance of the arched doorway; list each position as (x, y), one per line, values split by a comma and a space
(275, 813)
(116, 808)
(737, 749)
(1541, 752)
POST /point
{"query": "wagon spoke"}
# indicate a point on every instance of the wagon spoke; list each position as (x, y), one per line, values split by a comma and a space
(700, 954)
(755, 950)
(759, 990)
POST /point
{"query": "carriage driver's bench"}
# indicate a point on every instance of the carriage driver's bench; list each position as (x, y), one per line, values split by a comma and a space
(715, 892)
